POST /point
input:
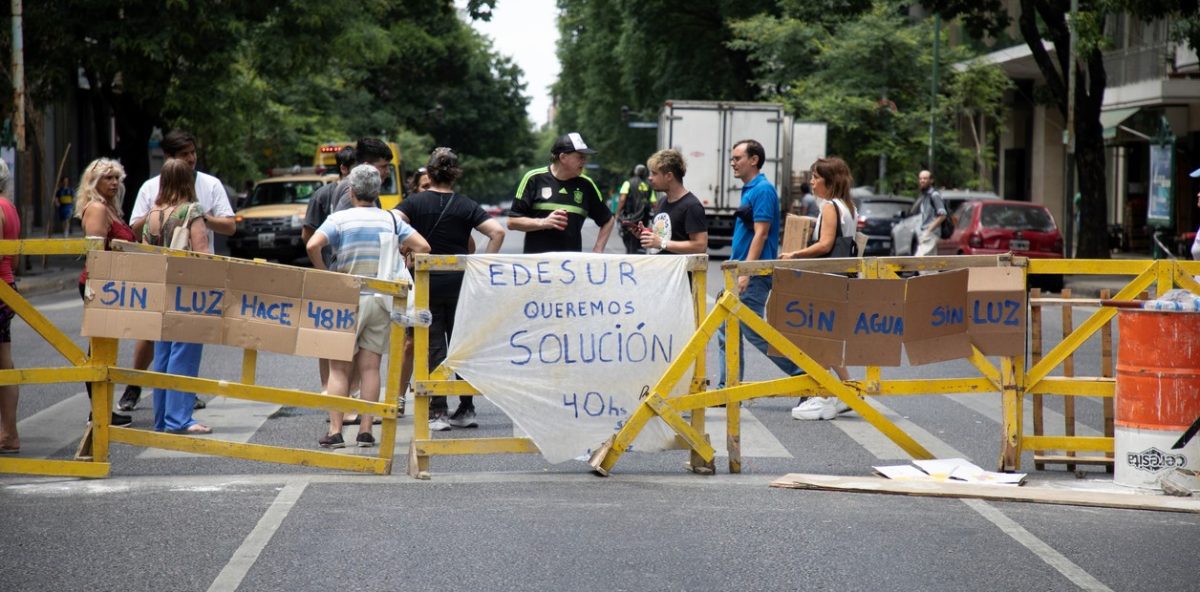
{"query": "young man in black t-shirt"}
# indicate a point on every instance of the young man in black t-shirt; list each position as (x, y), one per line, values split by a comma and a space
(689, 227)
(552, 202)
(446, 220)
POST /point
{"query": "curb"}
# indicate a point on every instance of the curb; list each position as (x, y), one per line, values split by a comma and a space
(48, 282)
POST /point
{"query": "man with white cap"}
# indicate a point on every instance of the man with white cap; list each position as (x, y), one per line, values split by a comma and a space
(553, 201)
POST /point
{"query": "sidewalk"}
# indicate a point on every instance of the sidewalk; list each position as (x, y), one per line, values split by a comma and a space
(60, 273)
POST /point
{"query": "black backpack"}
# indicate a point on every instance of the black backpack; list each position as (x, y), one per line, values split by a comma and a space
(637, 202)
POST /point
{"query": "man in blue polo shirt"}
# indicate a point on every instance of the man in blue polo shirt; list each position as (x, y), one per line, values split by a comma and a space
(755, 238)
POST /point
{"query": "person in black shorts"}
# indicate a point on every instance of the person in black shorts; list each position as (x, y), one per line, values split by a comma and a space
(446, 219)
(553, 201)
(689, 226)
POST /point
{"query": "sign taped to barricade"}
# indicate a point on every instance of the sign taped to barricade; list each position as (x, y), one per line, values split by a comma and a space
(219, 302)
(565, 343)
(863, 322)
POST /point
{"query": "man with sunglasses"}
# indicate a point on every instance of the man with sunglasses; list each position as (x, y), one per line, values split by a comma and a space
(552, 202)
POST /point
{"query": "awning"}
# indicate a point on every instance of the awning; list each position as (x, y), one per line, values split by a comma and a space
(1111, 120)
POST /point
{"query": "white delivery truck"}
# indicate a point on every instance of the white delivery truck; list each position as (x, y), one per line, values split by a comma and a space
(705, 132)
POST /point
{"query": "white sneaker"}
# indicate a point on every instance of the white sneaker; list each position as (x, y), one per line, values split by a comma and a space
(439, 424)
(819, 408)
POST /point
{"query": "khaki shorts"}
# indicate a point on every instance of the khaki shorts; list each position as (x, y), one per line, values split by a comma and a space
(374, 325)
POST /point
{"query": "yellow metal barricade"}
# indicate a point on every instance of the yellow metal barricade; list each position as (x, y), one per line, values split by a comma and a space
(1162, 275)
(102, 371)
(81, 369)
(440, 381)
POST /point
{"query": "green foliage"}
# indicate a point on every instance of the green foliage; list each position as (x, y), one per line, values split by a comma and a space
(868, 76)
(637, 54)
(262, 83)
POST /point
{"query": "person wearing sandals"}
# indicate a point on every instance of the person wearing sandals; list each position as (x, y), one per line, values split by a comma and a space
(10, 223)
(98, 207)
(831, 180)
(176, 208)
(356, 234)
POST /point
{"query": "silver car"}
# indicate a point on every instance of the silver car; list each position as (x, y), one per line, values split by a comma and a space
(904, 233)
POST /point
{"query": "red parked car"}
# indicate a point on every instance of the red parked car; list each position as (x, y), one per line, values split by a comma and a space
(995, 226)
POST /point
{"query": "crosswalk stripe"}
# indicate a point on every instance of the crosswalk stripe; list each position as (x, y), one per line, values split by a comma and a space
(56, 427)
(232, 420)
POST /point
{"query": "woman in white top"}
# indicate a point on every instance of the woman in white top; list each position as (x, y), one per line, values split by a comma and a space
(831, 180)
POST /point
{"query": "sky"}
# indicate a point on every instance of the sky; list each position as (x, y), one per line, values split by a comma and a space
(525, 30)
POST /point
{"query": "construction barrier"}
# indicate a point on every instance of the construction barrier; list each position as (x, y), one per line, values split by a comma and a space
(1013, 378)
(101, 370)
(440, 381)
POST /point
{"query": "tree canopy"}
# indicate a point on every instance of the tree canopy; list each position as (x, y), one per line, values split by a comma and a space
(261, 83)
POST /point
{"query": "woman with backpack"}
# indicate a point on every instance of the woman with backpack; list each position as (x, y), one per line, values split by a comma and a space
(177, 221)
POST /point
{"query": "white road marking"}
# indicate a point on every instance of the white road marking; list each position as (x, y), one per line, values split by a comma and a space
(243, 559)
(232, 420)
(989, 407)
(941, 449)
(1045, 552)
(55, 427)
(68, 304)
(757, 440)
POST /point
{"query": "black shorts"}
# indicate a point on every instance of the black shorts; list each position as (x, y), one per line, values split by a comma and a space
(6, 317)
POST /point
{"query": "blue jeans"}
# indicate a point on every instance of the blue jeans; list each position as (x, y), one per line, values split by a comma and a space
(755, 297)
(173, 409)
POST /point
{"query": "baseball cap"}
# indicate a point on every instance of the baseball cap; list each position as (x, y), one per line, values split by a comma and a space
(572, 142)
(1196, 174)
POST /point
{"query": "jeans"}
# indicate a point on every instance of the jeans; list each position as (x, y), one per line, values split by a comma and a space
(173, 409)
(755, 297)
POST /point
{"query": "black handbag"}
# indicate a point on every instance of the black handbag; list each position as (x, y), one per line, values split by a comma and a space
(843, 246)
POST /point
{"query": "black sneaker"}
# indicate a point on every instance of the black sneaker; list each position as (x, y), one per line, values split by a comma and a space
(129, 399)
(332, 441)
(199, 404)
(117, 420)
(365, 440)
(464, 418)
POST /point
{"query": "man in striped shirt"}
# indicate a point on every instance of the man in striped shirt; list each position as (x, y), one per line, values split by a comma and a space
(353, 234)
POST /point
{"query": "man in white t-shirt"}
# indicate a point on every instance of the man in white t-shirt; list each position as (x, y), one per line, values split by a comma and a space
(210, 193)
(218, 216)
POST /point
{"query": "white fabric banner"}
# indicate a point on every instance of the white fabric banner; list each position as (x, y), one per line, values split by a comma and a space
(565, 343)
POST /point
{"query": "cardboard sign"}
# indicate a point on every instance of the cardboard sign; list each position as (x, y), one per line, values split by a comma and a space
(328, 314)
(193, 300)
(876, 316)
(797, 232)
(811, 310)
(935, 327)
(128, 295)
(996, 312)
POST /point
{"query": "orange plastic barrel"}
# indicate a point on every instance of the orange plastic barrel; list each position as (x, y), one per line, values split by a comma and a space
(1157, 395)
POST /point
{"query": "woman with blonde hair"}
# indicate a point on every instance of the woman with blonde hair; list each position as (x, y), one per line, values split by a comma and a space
(837, 224)
(176, 207)
(98, 207)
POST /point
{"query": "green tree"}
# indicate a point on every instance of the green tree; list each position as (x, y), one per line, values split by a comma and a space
(637, 54)
(1044, 20)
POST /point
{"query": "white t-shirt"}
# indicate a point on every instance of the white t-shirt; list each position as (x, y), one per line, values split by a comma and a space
(848, 221)
(210, 193)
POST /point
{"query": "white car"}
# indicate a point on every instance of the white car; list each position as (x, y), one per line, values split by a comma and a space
(904, 233)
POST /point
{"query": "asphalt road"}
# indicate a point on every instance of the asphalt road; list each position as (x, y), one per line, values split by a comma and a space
(171, 522)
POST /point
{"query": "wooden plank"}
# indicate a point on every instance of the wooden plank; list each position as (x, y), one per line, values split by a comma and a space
(1028, 493)
(1106, 371)
(1035, 354)
(54, 468)
(1083, 460)
(448, 446)
(1068, 325)
(259, 452)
